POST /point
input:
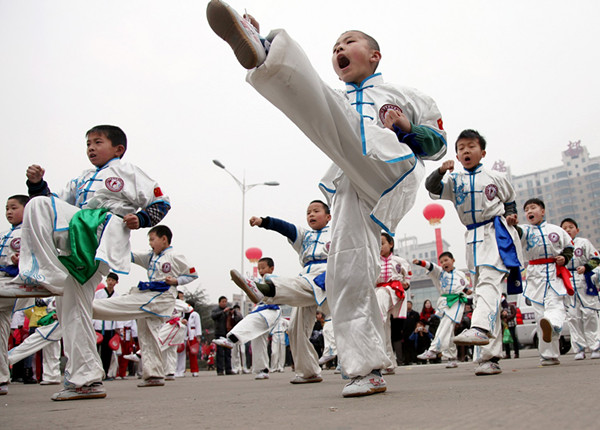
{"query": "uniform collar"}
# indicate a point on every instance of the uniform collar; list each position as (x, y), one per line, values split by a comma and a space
(109, 163)
(375, 79)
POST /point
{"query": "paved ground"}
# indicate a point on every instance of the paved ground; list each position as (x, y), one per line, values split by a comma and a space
(418, 397)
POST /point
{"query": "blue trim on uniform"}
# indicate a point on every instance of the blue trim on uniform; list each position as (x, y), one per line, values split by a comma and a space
(358, 89)
(113, 270)
(329, 190)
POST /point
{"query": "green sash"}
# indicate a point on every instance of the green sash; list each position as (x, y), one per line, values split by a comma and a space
(83, 238)
(453, 298)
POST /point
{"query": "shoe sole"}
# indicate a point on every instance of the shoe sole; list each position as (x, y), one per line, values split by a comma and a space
(241, 282)
(488, 373)
(367, 393)
(81, 397)
(476, 342)
(306, 381)
(224, 22)
(546, 330)
(158, 384)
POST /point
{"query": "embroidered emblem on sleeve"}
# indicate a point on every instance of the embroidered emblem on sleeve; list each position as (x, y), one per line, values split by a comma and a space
(385, 108)
(491, 191)
(158, 192)
(114, 184)
(578, 252)
(440, 124)
(15, 244)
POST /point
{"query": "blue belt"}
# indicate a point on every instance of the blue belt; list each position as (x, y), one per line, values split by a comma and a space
(479, 224)
(154, 286)
(10, 270)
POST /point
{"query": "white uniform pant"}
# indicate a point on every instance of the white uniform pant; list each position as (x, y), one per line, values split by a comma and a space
(171, 336)
(129, 306)
(385, 307)
(74, 310)
(553, 309)
(277, 356)
(583, 325)
(486, 314)
(444, 339)
(330, 347)
(255, 327)
(6, 307)
(170, 359)
(260, 353)
(298, 292)
(181, 362)
(238, 357)
(46, 339)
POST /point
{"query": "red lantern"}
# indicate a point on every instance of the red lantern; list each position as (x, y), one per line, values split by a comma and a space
(253, 254)
(434, 213)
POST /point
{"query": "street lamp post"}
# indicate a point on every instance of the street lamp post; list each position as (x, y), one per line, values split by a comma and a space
(244, 188)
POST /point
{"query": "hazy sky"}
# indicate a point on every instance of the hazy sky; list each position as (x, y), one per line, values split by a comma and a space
(524, 73)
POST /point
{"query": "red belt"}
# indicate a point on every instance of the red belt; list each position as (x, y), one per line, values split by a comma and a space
(561, 271)
(396, 286)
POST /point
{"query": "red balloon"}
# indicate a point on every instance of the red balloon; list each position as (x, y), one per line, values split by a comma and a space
(253, 254)
(434, 213)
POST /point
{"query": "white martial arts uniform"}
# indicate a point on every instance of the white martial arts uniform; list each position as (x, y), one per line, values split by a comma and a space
(123, 189)
(583, 307)
(479, 196)
(449, 284)
(278, 345)
(393, 279)
(372, 184)
(150, 307)
(544, 288)
(171, 335)
(303, 293)
(47, 339)
(10, 245)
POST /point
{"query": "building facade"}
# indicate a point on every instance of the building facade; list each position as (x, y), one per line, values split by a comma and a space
(571, 190)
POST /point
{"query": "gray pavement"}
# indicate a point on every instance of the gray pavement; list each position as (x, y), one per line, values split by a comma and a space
(525, 395)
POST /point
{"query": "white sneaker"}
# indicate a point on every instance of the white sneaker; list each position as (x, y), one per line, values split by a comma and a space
(132, 357)
(326, 359)
(248, 285)
(389, 371)
(488, 368)
(549, 361)
(224, 342)
(3, 389)
(471, 336)
(427, 355)
(262, 375)
(302, 380)
(238, 32)
(170, 377)
(364, 385)
(547, 329)
(194, 374)
(49, 383)
(451, 364)
(595, 355)
(152, 382)
(93, 391)
(580, 355)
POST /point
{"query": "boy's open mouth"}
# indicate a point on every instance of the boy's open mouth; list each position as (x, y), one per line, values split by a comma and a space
(343, 62)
